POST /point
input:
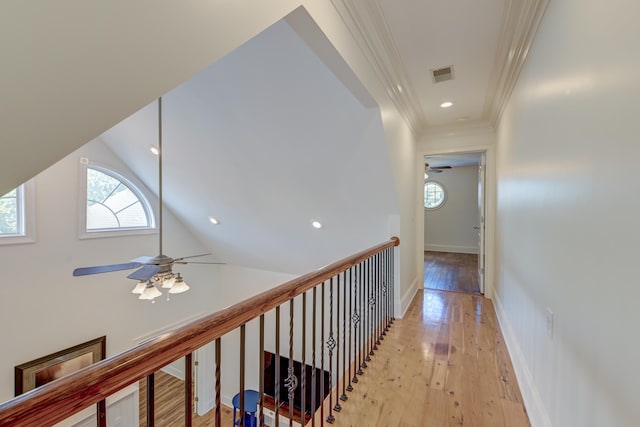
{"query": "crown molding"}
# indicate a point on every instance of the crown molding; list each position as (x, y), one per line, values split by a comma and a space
(520, 23)
(366, 22)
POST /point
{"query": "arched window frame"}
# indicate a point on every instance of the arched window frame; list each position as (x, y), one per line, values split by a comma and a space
(26, 216)
(138, 189)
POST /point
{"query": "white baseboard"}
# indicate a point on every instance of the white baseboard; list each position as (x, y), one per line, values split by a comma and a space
(452, 248)
(174, 372)
(405, 300)
(538, 415)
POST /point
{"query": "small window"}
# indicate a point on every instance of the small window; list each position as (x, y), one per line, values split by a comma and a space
(434, 195)
(11, 220)
(16, 216)
(113, 203)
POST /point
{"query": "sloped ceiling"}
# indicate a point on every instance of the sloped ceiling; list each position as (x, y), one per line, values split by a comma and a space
(266, 140)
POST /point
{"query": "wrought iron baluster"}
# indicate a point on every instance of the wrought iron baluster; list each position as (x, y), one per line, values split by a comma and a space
(188, 390)
(343, 373)
(313, 359)
(351, 314)
(368, 348)
(261, 379)
(378, 299)
(151, 401)
(322, 389)
(277, 370)
(331, 344)
(393, 286)
(218, 363)
(291, 382)
(363, 314)
(242, 373)
(356, 324)
(303, 371)
(337, 406)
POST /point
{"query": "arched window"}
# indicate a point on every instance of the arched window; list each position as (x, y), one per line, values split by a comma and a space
(434, 195)
(113, 203)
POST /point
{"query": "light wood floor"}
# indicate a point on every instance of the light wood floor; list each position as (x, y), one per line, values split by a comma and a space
(444, 364)
(451, 272)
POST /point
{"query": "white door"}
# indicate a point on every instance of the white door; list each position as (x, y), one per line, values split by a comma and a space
(481, 221)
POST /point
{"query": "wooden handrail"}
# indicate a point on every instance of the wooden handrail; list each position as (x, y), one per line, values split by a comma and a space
(58, 400)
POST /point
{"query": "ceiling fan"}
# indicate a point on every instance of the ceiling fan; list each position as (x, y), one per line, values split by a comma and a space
(157, 270)
(435, 169)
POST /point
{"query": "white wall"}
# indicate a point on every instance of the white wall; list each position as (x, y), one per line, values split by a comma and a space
(568, 210)
(449, 228)
(44, 309)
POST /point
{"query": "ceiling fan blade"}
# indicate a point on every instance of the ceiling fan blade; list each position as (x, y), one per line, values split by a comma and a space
(145, 273)
(434, 170)
(440, 167)
(190, 256)
(143, 259)
(83, 271)
(196, 262)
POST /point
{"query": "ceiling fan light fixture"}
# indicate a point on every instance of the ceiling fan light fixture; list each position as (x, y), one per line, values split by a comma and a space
(150, 292)
(139, 287)
(179, 286)
(446, 104)
(168, 281)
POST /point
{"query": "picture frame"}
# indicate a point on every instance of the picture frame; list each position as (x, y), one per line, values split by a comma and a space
(43, 370)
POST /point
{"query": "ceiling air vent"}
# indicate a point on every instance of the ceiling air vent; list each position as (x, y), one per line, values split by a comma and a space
(442, 74)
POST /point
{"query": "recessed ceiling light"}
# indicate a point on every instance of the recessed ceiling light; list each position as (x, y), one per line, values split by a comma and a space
(154, 150)
(446, 104)
(316, 224)
(213, 220)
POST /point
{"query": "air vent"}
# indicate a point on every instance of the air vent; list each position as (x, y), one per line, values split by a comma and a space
(442, 74)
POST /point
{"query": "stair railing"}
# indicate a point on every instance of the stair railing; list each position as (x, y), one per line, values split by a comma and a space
(356, 300)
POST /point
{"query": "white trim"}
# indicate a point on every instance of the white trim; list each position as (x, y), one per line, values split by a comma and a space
(452, 248)
(519, 26)
(408, 297)
(530, 395)
(27, 210)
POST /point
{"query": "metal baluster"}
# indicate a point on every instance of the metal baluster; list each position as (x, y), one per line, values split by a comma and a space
(188, 390)
(393, 286)
(151, 402)
(277, 370)
(101, 409)
(337, 406)
(291, 382)
(374, 306)
(331, 344)
(363, 314)
(378, 300)
(261, 379)
(242, 367)
(303, 373)
(322, 391)
(345, 375)
(372, 311)
(356, 323)
(218, 363)
(385, 294)
(313, 359)
(367, 308)
(351, 324)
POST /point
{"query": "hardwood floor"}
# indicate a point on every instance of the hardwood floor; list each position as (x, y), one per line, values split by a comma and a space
(169, 399)
(444, 364)
(451, 272)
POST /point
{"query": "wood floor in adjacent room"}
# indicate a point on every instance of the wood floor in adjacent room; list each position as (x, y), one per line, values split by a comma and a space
(444, 364)
(448, 271)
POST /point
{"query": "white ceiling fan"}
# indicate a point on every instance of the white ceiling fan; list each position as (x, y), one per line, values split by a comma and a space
(434, 169)
(153, 271)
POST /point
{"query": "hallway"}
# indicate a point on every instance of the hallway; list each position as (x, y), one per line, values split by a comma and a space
(444, 364)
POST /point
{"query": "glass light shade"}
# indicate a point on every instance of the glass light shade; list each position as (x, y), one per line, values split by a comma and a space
(150, 292)
(179, 286)
(167, 282)
(139, 287)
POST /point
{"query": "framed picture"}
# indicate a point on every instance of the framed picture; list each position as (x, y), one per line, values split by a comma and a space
(41, 371)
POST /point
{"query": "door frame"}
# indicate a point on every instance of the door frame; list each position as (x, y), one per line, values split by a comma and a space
(490, 206)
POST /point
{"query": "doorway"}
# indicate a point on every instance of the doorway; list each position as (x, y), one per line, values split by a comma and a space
(454, 222)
